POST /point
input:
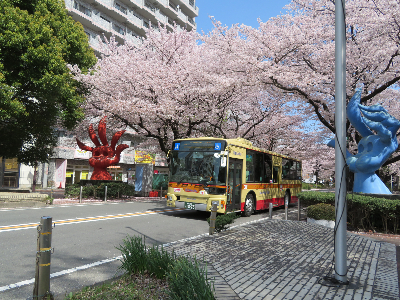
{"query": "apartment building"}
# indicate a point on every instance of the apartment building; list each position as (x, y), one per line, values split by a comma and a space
(127, 20)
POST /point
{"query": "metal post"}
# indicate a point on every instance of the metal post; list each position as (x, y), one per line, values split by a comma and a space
(105, 194)
(391, 183)
(161, 193)
(286, 209)
(213, 217)
(270, 210)
(80, 195)
(340, 148)
(43, 257)
(298, 209)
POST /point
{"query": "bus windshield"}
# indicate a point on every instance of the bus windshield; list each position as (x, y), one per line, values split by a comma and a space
(198, 162)
(199, 167)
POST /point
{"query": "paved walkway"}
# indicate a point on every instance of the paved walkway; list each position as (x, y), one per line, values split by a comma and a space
(277, 259)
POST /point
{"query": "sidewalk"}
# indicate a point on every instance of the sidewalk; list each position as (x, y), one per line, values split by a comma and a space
(277, 259)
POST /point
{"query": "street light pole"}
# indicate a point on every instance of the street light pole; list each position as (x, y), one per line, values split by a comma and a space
(340, 149)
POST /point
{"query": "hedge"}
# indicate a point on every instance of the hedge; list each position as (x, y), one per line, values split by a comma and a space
(363, 212)
(114, 190)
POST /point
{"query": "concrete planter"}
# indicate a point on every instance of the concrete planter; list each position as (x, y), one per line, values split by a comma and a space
(326, 223)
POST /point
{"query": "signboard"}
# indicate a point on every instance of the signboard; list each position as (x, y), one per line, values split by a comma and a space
(82, 154)
(144, 157)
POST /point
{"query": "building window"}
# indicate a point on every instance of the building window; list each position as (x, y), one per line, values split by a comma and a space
(146, 23)
(191, 2)
(105, 19)
(82, 8)
(149, 6)
(191, 20)
(120, 8)
(173, 6)
(118, 29)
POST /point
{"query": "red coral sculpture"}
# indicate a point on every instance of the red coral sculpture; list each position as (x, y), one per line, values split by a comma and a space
(103, 155)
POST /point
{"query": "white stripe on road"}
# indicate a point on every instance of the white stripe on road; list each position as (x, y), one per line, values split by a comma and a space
(57, 274)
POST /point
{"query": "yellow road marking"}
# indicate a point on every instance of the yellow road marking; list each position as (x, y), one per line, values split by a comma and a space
(90, 219)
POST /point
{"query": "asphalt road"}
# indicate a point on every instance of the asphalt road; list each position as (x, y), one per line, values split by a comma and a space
(84, 238)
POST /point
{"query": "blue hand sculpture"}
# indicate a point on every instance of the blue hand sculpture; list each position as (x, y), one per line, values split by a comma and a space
(373, 150)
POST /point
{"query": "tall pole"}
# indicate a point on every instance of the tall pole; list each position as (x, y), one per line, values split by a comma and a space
(340, 148)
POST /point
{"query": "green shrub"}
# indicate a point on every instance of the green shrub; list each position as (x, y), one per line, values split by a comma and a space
(188, 280)
(363, 212)
(306, 186)
(114, 190)
(321, 211)
(49, 200)
(314, 197)
(73, 190)
(159, 261)
(134, 256)
(137, 258)
(222, 221)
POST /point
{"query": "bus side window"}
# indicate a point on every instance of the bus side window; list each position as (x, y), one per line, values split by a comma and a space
(250, 166)
(267, 168)
(258, 167)
(298, 170)
(275, 174)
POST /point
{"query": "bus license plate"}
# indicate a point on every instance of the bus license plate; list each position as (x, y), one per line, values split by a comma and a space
(190, 205)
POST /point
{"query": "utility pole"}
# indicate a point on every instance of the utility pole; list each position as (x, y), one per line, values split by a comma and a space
(340, 148)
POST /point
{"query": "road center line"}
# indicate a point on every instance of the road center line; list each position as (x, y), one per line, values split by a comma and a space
(88, 219)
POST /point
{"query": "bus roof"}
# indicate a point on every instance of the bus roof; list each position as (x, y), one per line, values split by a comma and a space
(239, 142)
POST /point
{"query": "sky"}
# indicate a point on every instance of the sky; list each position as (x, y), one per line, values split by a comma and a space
(230, 12)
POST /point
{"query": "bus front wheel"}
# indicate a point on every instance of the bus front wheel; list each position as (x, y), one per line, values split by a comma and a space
(248, 206)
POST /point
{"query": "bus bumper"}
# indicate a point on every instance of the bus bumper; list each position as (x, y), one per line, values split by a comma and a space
(206, 205)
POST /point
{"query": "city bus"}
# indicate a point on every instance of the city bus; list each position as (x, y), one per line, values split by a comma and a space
(231, 173)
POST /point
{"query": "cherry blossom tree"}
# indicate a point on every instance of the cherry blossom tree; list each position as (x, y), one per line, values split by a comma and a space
(292, 56)
(177, 84)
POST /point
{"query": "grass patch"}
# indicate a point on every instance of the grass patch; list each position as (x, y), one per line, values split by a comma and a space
(153, 273)
(134, 286)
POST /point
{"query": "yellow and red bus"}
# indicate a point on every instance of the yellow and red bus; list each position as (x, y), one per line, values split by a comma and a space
(232, 173)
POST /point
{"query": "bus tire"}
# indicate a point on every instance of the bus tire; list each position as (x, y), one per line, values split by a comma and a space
(248, 206)
(287, 198)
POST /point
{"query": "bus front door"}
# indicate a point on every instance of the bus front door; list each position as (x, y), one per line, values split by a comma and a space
(234, 184)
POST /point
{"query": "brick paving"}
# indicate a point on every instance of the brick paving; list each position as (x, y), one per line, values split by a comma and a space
(277, 259)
